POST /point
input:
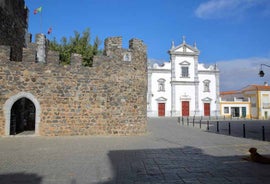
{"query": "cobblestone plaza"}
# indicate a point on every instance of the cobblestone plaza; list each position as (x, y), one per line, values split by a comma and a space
(168, 153)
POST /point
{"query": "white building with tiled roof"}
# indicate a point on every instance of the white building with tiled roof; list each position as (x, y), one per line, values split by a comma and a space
(183, 86)
(234, 105)
(252, 101)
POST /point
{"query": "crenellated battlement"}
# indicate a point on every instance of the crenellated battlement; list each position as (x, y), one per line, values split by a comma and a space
(38, 52)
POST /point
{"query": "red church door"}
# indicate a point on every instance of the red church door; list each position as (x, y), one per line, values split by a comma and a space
(206, 109)
(185, 108)
(161, 109)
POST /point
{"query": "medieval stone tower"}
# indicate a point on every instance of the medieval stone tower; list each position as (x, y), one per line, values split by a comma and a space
(40, 96)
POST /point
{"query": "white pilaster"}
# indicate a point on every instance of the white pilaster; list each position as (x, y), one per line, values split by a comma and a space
(196, 82)
(173, 112)
(173, 67)
(149, 93)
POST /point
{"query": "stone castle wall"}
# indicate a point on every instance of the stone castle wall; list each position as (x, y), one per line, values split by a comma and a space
(13, 28)
(106, 99)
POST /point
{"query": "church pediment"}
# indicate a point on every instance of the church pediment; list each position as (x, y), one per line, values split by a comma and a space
(184, 49)
(184, 63)
(161, 99)
(207, 99)
(185, 97)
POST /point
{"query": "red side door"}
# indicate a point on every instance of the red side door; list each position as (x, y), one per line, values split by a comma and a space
(161, 109)
(206, 109)
(185, 108)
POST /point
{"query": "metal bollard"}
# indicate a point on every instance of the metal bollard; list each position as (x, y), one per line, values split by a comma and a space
(217, 127)
(208, 125)
(229, 128)
(263, 133)
(244, 130)
(182, 120)
(200, 124)
(187, 121)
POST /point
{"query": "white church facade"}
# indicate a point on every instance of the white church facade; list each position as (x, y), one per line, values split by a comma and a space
(183, 86)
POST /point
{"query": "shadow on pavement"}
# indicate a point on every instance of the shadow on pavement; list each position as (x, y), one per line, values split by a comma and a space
(20, 178)
(183, 165)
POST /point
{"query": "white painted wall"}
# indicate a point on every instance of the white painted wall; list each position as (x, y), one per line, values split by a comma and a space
(212, 94)
(185, 88)
(265, 98)
(233, 104)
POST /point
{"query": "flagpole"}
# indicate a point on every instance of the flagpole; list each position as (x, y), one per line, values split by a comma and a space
(41, 21)
(36, 11)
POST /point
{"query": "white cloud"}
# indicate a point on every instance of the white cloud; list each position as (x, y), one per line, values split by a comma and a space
(236, 74)
(215, 9)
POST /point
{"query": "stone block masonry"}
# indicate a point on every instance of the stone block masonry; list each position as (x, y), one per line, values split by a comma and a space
(106, 99)
(13, 28)
(39, 95)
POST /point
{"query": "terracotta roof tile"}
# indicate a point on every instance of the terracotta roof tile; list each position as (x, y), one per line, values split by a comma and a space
(229, 92)
(255, 87)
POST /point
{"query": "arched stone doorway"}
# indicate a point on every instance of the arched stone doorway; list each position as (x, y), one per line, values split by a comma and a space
(22, 117)
(22, 113)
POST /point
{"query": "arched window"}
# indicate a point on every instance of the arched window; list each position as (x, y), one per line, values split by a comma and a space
(206, 86)
(161, 84)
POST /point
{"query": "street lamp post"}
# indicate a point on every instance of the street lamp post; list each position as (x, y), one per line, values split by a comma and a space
(261, 73)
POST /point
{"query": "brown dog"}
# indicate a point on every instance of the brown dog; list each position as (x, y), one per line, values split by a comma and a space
(256, 157)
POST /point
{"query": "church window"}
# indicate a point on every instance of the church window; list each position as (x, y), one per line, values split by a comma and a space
(206, 86)
(161, 85)
(185, 72)
(184, 69)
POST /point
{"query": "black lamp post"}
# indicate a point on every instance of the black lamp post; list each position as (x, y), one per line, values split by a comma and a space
(261, 73)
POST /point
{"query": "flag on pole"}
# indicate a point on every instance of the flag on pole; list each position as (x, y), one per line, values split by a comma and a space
(50, 30)
(37, 10)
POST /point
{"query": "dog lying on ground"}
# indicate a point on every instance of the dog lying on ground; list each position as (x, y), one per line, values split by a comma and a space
(256, 157)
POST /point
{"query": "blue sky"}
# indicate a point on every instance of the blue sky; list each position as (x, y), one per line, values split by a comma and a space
(232, 33)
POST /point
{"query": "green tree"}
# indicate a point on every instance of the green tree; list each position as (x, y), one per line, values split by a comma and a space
(80, 44)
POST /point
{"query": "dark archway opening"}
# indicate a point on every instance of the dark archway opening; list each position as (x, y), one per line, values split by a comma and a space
(22, 118)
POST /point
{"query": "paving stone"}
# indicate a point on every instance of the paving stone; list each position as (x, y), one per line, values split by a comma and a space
(191, 181)
(214, 180)
(168, 154)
